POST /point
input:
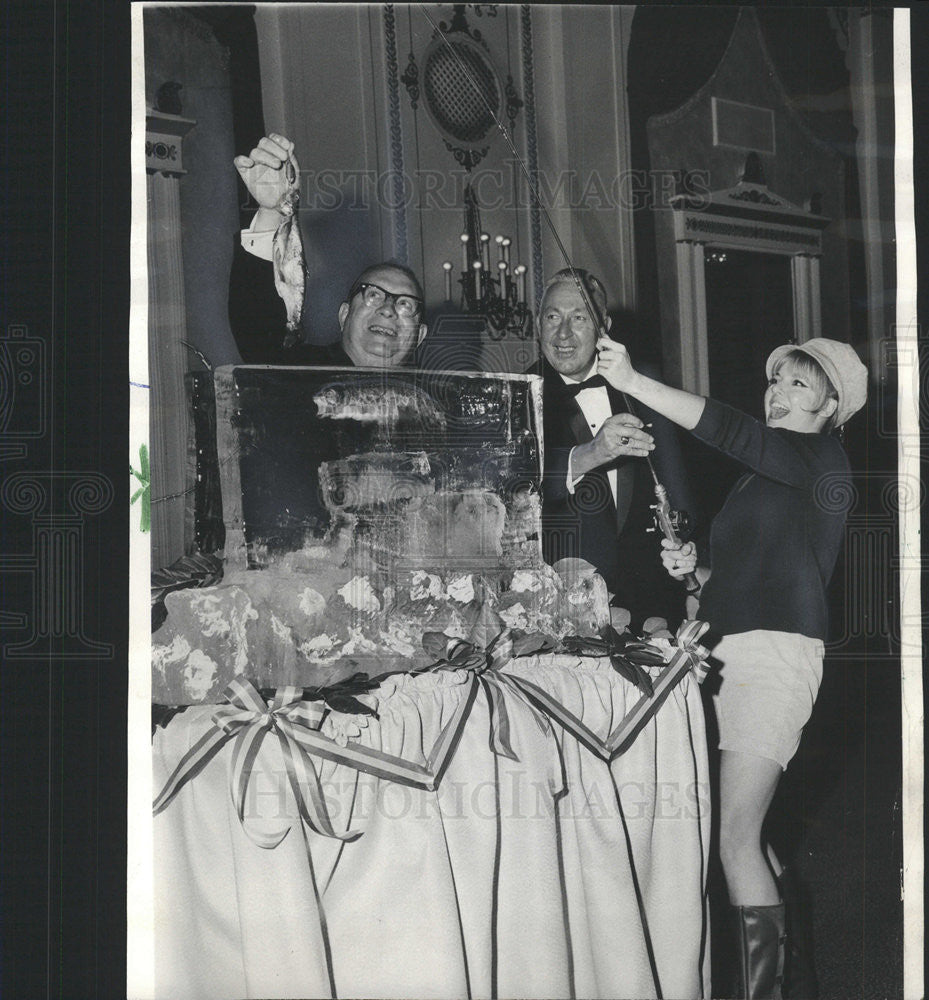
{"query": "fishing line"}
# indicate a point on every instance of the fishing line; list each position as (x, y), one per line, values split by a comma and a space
(664, 516)
(588, 303)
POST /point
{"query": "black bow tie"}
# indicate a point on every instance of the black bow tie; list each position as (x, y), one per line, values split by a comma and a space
(594, 382)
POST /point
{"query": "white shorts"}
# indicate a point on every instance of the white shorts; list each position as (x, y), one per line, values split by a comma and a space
(768, 686)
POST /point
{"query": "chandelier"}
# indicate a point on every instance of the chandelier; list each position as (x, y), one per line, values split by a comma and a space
(495, 291)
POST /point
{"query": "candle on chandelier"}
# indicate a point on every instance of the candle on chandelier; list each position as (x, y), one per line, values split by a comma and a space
(485, 251)
(447, 268)
(464, 252)
(504, 279)
(499, 242)
(521, 282)
(477, 280)
(505, 246)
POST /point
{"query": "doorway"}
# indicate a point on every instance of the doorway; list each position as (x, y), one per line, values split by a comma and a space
(749, 312)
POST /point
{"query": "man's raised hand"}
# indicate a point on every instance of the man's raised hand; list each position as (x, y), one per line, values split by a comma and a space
(269, 171)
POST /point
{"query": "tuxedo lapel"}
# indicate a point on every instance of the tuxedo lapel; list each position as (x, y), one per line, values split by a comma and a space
(577, 422)
(625, 487)
(565, 415)
(625, 471)
(617, 403)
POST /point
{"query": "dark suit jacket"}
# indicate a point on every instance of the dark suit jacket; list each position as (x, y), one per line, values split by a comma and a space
(258, 318)
(588, 524)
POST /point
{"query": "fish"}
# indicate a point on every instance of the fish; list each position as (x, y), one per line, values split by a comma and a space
(459, 527)
(364, 482)
(379, 402)
(288, 259)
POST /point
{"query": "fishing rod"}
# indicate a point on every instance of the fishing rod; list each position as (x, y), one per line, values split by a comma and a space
(667, 520)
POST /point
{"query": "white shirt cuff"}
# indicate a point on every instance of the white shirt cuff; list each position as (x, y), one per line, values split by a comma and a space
(260, 244)
(572, 481)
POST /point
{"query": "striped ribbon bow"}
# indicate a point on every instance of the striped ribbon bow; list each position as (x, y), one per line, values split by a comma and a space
(247, 719)
(689, 648)
(485, 668)
(683, 649)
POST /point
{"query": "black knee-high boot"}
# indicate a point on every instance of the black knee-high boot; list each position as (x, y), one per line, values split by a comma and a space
(761, 941)
(799, 970)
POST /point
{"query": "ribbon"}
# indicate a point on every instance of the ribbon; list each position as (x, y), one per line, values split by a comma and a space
(485, 667)
(246, 718)
(687, 635)
(684, 655)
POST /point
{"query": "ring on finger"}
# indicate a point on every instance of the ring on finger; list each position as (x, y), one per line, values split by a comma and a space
(624, 440)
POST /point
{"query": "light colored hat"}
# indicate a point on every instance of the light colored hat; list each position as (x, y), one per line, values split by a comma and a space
(841, 365)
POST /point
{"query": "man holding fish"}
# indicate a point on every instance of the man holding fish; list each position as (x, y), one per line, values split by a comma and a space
(381, 318)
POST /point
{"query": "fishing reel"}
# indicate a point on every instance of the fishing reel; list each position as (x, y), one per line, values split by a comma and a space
(679, 520)
(672, 524)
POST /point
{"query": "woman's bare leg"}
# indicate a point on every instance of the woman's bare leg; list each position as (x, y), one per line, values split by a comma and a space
(746, 786)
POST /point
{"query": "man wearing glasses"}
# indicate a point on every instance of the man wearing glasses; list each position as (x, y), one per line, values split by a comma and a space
(381, 318)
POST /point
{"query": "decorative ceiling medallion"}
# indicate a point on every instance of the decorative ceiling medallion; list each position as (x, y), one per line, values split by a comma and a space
(461, 91)
(461, 88)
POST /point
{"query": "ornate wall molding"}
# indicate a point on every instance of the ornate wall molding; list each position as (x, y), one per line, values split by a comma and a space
(167, 329)
(532, 148)
(461, 88)
(164, 146)
(749, 235)
(746, 217)
(691, 290)
(401, 240)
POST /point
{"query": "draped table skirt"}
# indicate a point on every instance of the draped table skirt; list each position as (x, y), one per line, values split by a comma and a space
(554, 875)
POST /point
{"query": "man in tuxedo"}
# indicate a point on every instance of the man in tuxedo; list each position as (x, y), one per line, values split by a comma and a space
(597, 487)
(380, 319)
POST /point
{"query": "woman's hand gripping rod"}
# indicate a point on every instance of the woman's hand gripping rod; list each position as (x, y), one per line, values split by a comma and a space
(667, 520)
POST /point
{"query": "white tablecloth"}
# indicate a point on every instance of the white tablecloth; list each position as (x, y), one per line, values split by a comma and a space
(557, 875)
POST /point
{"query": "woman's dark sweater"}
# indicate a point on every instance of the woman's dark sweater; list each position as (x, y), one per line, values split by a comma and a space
(774, 544)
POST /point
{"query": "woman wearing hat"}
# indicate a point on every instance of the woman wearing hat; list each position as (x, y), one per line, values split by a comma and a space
(773, 547)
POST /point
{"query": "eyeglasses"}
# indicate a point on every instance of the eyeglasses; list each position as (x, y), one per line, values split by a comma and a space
(407, 306)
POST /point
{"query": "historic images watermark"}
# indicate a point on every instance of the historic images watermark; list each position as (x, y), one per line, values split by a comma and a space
(56, 503)
(519, 795)
(23, 391)
(506, 188)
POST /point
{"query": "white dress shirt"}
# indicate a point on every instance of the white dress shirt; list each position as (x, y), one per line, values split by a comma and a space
(258, 243)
